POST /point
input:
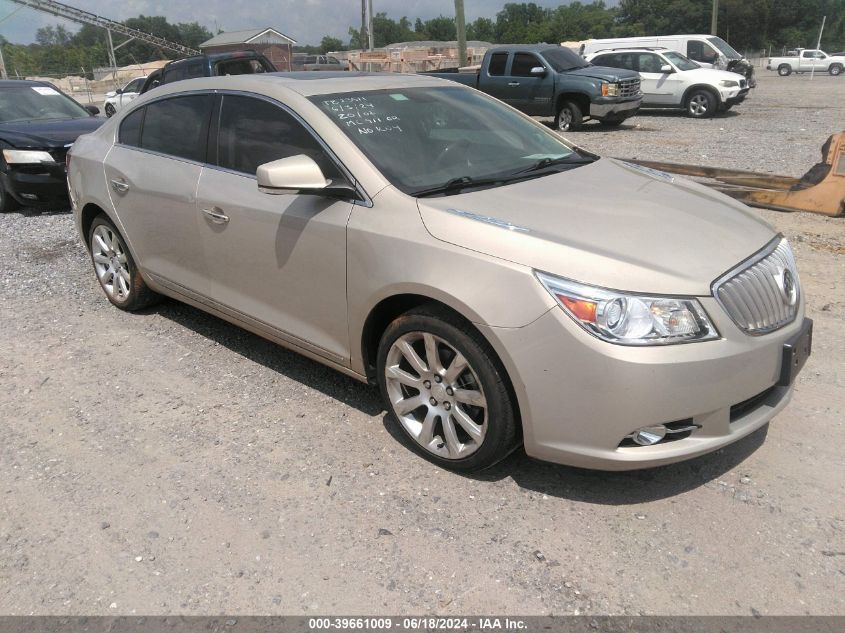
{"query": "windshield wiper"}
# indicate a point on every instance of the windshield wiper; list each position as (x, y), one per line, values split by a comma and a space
(458, 184)
(573, 159)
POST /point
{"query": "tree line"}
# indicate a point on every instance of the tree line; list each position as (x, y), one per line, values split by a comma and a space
(748, 25)
(745, 24)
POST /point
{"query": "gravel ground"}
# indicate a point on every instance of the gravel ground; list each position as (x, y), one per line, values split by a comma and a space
(167, 462)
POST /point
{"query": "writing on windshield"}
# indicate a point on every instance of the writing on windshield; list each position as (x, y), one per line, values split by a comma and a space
(363, 116)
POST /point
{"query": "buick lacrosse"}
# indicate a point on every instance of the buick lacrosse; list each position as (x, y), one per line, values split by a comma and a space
(501, 286)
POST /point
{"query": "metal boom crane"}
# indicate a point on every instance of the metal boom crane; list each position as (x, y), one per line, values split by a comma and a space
(84, 17)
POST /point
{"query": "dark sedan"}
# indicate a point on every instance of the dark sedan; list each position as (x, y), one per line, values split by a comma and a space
(38, 123)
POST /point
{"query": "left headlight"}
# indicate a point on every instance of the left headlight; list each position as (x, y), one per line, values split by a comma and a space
(727, 83)
(631, 319)
(26, 156)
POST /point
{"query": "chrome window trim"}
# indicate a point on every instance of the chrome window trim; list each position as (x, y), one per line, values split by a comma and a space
(366, 199)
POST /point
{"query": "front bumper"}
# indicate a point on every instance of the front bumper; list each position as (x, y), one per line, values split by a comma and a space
(615, 109)
(37, 185)
(580, 397)
(737, 98)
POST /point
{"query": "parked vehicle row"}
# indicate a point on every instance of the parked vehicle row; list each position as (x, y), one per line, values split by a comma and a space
(501, 286)
(807, 60)
(544, 80)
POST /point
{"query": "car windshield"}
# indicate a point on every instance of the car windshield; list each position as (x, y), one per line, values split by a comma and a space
(563, 59)
(681, 62)
(424, 138)
(724, 48)
(37, 103)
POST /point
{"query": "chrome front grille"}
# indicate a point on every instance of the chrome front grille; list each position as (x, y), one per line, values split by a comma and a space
(629, 87)
(762, 294)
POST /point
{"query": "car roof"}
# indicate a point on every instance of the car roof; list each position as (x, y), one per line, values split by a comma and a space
(523, 48)
(307, 83)
(632, 49)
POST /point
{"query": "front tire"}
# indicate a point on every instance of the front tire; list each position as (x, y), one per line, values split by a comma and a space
(116, 270)
(701, 104)
(444, 387)
(110, 111)
(835, 70)
(784, 70)
(569, 118)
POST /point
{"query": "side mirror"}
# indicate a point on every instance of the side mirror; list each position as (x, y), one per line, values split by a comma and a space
(111, 94)
(666, 68)
(119, 91)
(299, 175)
(92, 110)
(538, 71)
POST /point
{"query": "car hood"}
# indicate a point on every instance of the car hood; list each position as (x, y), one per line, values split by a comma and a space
(604, 72)
(610, 224)
(48, 134)
(712, 75)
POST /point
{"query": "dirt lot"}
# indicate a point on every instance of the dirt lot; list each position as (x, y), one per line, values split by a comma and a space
(166, 462)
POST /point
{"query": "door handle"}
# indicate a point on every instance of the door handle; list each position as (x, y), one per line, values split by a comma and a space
(513, 83)
(119, 185)
(216, 215)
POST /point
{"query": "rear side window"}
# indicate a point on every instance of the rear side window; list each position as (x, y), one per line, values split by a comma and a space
(186, 70)
(130, 128)
(523, 63)
(253, 132)
(178, 127)
(498, 61)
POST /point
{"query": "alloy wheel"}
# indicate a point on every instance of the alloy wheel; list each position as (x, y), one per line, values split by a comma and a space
(698, 105)
(564, 120)
(436, 395)
(111, 263)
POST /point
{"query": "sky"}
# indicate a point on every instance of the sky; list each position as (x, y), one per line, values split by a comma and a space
(306, 21)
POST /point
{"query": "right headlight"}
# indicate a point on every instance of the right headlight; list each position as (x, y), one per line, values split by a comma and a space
(628, 318)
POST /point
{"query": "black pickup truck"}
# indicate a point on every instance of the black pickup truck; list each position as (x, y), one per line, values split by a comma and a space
(548, 80)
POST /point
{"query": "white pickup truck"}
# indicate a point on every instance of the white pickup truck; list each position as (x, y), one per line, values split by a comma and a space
(807, 60)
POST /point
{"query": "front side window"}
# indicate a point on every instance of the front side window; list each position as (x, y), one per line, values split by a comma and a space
(253, 132)
(681, 62)
(421, 138)
(178, 127)
(523, 63)
(134, 86)
(240, 67)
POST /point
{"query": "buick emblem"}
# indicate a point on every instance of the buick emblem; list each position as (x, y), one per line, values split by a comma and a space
(788, 288)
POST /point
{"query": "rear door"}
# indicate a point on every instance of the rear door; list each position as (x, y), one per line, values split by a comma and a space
(276, 261)
(494, 80)
(152, 175)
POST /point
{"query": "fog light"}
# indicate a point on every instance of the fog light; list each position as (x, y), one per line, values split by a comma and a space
(29, 196)
(649, 435)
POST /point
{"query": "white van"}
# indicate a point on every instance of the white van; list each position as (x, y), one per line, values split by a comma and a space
(708, 51)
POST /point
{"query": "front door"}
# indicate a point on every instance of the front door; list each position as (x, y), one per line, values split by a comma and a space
(659, 88)
(277, 261)
(531, 93)
(152, 174)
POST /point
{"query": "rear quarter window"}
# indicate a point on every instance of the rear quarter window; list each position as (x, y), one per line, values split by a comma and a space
(130, 128)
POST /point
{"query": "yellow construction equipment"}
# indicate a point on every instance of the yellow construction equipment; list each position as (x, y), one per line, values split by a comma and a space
(820, 190)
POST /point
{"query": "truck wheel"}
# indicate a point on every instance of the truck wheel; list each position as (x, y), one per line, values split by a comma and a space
(784, 70)
(570, 118)
(701, 104)
(835, 70)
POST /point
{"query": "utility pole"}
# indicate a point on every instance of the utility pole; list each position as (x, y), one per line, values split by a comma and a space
(461, 29)
(363, 38)
(3, 74)
(714, 20)
(818, 47)
(370, 33)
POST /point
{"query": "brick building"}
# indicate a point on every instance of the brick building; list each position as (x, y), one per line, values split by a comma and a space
(274, 45)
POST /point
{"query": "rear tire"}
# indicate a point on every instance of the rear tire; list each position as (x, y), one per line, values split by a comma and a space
(569, 118)
(835, 70)
(115, 269)
(784, 70)
(444, 387)
(701, 104)
(7, 203)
